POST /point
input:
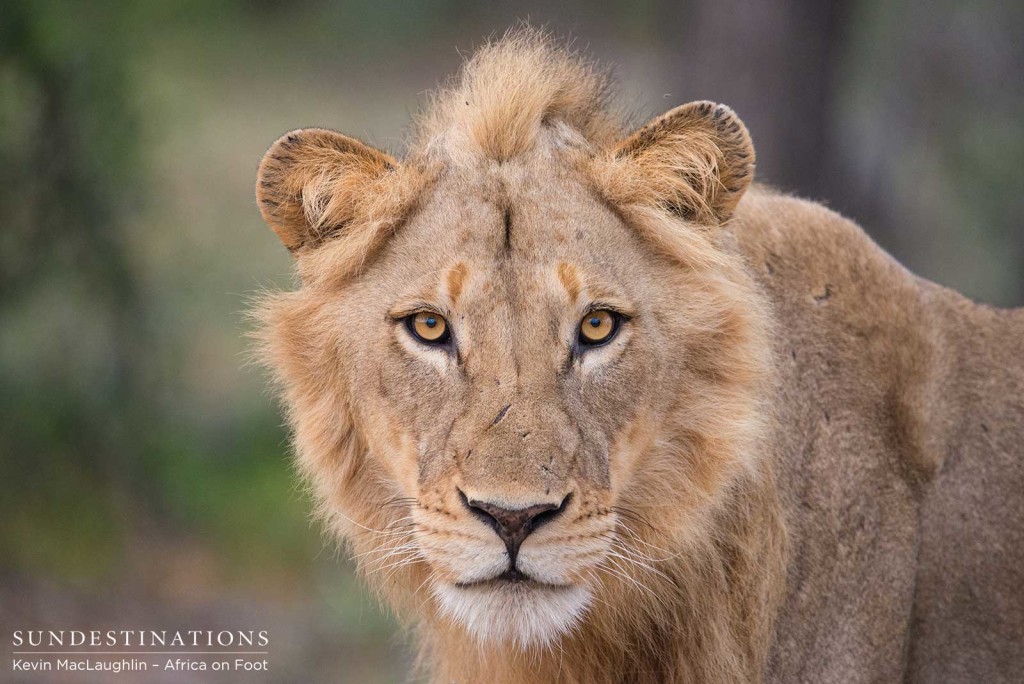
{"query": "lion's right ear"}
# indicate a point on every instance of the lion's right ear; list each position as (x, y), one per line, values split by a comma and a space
(312, 182)
(695, 161)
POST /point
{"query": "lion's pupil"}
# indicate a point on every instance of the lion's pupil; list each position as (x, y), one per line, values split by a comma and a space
(596, 322)
(431, 322)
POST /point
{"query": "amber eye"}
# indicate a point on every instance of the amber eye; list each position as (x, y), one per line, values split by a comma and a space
(598, 327)
(428, 327)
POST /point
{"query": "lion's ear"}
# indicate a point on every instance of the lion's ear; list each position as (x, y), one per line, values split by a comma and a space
(697, 160)
(313, 181)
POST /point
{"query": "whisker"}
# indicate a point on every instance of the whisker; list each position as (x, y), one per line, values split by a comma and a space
(643, 541)
(388, 549)
(400, 501)
(390, 560)
(429, 595)
(404, 564)
(640, 564)
(624, 575)
(633, 516)
(384, 532)
(395, 565)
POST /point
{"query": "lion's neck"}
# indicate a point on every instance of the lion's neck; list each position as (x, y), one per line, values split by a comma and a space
(705, 615)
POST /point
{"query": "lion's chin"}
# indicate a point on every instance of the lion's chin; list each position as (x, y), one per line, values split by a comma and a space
(522, 614)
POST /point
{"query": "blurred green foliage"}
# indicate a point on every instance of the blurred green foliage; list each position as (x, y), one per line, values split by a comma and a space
(70, 336)
(90, 454)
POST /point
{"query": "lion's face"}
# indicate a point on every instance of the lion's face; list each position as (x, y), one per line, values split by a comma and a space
(512, 355)
(514, 371)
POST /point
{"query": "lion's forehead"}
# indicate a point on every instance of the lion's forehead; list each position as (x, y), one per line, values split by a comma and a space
(537, 209)
(513, 252)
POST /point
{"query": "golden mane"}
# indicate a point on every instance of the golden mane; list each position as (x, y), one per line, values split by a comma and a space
(511, 87)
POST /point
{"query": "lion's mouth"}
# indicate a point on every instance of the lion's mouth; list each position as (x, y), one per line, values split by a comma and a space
(511, 577)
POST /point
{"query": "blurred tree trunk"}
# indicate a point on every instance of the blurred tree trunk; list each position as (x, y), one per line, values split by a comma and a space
(891, 112)
(775, 62)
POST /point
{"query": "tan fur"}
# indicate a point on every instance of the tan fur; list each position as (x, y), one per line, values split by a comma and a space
(773, 467)
(498, 113)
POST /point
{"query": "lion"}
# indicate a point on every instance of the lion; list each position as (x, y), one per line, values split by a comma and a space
(589, 406)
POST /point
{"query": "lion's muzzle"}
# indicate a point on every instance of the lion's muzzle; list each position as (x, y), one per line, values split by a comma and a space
(513, 526)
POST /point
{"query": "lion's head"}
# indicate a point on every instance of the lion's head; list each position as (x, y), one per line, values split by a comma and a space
(520, 369)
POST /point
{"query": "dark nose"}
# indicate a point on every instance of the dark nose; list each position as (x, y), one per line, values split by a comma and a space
(514, 525)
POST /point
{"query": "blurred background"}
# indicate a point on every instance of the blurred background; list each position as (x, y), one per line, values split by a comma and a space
(144, 477)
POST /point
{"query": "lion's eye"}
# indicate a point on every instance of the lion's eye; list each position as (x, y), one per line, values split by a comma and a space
(598, 327)
(428, 327)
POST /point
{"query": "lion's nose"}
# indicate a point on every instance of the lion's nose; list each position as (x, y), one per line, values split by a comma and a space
(514, 525)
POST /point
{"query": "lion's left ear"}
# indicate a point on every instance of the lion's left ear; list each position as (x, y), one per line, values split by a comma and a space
(696, 161)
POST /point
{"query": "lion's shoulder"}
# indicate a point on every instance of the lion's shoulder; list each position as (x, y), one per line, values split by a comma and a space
(869, 351)
(854, 330)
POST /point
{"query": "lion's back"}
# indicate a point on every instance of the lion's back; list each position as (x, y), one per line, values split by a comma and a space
(900, 451)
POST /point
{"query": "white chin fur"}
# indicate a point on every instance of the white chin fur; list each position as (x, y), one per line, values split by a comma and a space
(514, 614)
